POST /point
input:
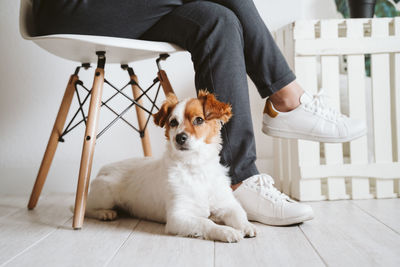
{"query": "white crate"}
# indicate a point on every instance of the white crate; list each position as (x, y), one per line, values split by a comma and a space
(369, 166)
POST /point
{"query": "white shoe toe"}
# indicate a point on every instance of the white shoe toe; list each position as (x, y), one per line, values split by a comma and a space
(356, 128)
(298, 212)
(264, 203)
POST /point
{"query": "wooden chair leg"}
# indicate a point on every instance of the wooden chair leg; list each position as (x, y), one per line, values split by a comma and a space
(166, 85)
(53, 142)
(88, 148)
(141, 116)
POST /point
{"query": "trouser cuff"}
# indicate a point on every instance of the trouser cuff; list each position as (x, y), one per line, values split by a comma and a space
(278, 85)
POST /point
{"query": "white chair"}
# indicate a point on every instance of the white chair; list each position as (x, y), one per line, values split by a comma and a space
(91, 49)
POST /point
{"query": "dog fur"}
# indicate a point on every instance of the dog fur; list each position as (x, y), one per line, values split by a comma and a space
(187, 188)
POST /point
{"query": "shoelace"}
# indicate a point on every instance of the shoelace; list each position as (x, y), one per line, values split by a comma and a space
(318, 106)
(264, 184)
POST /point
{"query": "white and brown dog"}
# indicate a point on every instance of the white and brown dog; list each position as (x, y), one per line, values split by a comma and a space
(188, 189)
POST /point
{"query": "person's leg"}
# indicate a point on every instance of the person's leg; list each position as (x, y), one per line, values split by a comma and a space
(295, 113)
(265, 63)
(214, 37)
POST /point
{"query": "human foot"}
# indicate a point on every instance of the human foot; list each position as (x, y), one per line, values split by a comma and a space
(265, 204)
(311, 120)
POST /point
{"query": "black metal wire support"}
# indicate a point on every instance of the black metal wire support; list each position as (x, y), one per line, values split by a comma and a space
(74, 122)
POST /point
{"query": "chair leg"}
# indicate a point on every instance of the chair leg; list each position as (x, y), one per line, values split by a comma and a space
(166, 85)
(141, 116)
(88, 148)
(53, 141)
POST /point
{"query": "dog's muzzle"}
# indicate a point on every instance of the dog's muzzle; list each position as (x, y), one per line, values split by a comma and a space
(181, 140)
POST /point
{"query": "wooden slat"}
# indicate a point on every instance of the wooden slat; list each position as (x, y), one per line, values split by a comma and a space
(301, 189)
(344, 46)
(360, 187)
(23, 229)
(287, 159)
(330, 82)
(279, 35)
(304, 29)
(273, 246)
(289, 46)
(280, 162)
(380, 75)
(395, 79)
(103, 239)
(381, 98)
(307, 152)
(287, 154)
(149, 246)
(344, 235)
(376, 170)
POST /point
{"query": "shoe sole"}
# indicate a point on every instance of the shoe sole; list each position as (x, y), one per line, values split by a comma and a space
(283, 222)
(293, 135)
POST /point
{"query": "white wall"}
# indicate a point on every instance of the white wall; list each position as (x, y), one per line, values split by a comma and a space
(33, 81)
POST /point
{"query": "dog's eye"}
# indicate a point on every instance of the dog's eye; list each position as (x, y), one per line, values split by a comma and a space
(198, 121)
(173, 123)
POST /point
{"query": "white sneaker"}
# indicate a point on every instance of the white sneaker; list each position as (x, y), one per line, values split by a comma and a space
(312, 120)
(264, 203)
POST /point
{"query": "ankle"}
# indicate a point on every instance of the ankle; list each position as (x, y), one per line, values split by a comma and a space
(287, 98)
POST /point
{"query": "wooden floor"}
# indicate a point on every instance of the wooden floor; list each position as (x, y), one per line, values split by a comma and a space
(344, 233)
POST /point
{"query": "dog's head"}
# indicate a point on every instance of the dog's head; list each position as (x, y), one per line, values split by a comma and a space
(193, 123)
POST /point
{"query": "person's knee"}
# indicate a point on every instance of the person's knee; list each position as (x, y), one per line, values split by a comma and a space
(226, 21)
(228, 17)
(219, 19)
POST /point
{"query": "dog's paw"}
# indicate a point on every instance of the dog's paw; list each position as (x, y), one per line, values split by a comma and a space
(226, 234)
(249, 230)
(106, 215)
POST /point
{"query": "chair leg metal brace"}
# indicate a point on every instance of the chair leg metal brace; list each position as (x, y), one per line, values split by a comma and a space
(89, 143)
(53, 140)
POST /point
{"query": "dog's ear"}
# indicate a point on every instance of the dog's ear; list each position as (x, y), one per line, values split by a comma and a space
(214, 109)
(161, 117)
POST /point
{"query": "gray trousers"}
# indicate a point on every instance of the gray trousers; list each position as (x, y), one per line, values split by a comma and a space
(227, 39)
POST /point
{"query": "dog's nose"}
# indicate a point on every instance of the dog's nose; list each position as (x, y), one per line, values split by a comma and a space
(181, 138)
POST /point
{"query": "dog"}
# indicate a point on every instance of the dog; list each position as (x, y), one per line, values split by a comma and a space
(187, 188)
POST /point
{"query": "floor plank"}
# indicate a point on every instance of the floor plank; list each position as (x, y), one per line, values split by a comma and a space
(12, 204)
(344, 235)
(149, 246)
(385, 210)
(22, 229)
(94, 245)
(273, 246)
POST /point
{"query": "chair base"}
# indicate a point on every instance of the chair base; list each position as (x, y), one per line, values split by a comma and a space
(91, 121)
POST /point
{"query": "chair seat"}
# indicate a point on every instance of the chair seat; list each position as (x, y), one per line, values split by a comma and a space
(82, 48)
